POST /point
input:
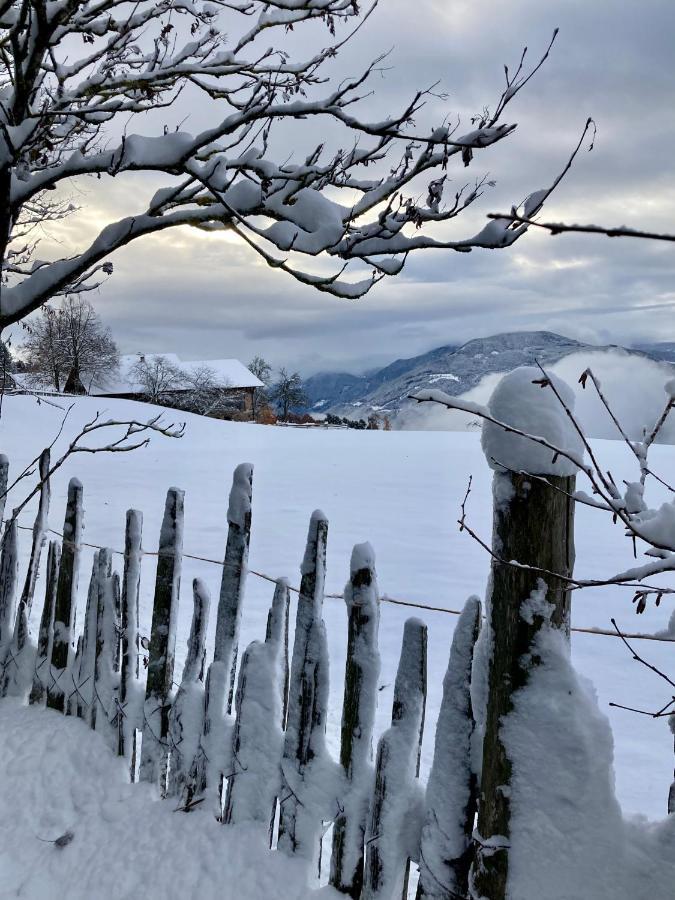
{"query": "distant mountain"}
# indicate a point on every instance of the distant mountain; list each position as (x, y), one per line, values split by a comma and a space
(451, 368)
(664, 352)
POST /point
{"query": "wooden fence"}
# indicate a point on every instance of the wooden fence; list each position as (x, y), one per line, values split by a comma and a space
(246, 737)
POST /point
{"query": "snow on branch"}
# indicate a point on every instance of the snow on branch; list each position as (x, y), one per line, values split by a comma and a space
(62, 114)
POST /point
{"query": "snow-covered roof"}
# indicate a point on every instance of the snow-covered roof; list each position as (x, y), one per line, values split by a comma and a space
(228, 373)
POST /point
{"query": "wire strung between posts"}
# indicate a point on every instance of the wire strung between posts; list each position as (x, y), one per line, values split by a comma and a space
(383, 599)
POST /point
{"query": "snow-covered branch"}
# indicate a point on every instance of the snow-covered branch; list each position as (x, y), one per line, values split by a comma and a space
(64, 117)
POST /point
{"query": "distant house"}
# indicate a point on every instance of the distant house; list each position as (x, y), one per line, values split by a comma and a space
(233, 383)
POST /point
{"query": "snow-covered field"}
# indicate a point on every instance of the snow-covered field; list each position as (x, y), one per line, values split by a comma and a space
(399, 490)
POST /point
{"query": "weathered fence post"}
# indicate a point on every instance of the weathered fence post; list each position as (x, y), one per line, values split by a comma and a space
(257, 736)
(396, 772)
(131, 699)
(362, 669)
(211, 760)
(38, 694)
(300, 820)
(19, 660)
(533, 524)
(155, 748)
(104, 712)
(9, 576)
(81, 698)
(187, 710)
(452, 793)
(66, 597)
(276, 637)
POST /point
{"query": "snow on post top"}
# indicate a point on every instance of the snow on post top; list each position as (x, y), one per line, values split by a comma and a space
(309, 559)
(240, 495)
(520, 402)
(363, 557)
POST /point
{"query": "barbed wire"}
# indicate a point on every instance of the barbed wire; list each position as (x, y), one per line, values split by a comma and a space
(393, 601)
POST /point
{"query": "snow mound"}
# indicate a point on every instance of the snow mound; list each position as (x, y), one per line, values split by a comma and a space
(520, 400)
(56, 775)
(572, 822)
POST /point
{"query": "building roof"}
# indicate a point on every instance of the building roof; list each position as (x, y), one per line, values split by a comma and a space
(228, 373)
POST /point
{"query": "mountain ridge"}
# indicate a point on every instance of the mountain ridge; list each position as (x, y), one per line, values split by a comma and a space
(453, 368)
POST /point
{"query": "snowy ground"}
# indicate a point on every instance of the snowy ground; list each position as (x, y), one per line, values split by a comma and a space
(57, 776)
(399, 490)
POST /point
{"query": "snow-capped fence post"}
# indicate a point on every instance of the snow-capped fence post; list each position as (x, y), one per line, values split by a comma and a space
(362, 669)
(103, 712)
(38, 692)
(304, 744)
(155, 747)
(396, 773)
(66, 597)
(19, 660)
(187, 710)
(208, 768)
(533, 524)
(452, 792)
(130, 699)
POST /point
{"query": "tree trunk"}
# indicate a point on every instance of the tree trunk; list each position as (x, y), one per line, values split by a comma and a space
(4, 481)
(534, 526)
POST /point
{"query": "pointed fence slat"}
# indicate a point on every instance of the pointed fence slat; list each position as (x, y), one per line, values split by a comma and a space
(212, 759)
(452, 791)
(131, 688)
(277, 634)
(187, 710)
(155, 748)
(362, 670)
(66, 599)
(104, 711)
(19, 663)
(9, 577)
(396, 772)
(4, 483)
(257, 738)
(81, 693)
(38, 694)
(304, 744)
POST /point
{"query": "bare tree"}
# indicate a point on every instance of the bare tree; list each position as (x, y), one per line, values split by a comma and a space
(157, 375)
(62, 113)
(288, 392)
(69, 348)
(263, 371)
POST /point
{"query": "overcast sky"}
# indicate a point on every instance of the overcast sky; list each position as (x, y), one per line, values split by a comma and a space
(206, 297)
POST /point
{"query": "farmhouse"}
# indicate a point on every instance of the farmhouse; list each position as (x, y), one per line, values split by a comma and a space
(230, 381)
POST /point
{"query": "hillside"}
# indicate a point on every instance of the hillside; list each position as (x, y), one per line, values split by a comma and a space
(450, 368)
